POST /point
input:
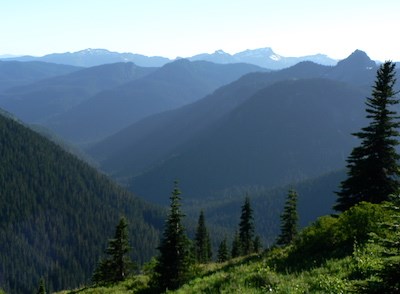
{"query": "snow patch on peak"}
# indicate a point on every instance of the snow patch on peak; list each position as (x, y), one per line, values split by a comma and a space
(275, 57)
(90, 51)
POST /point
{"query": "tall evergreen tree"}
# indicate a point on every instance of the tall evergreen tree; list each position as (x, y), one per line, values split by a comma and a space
(202, 241)
(289, 219)
(373, 169)
(174, 262)
(118, 265)
(41, 289)
(246, 228)
(223, 254)
(236, 246)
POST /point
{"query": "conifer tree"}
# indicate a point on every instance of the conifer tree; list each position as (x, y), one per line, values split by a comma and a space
(246, 228)
(118, 265)
(41, 289)
(289, 219)
(223, 254)
(174, 262)
(236, 246)
(202, 241)
(373, 169)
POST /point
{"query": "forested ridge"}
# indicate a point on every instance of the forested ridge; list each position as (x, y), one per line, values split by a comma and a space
(57, 213)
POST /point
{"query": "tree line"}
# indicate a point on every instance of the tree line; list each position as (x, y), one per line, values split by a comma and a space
(178, 255)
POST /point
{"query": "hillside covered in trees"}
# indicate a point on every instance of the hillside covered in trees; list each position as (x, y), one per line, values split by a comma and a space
(57, 213)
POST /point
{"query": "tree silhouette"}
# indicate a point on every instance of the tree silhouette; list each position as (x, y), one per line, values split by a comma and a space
(289, 219)
(118, 265)
(202, 241)
(373, 169)
(41, 289)
(246, 228)
(223, 254)
(174, 262)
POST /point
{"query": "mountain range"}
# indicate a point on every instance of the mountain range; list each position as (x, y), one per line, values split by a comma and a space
(263, 57)
(14, 73)
(90, 104)
(92, 57)
(223, 130)
(265, 129)
(48, 97)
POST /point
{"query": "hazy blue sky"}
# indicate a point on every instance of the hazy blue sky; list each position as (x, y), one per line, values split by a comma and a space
(186, 27)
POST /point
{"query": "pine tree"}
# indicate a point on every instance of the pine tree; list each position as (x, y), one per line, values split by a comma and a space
(289, 219)
(236, 246)
(174, 262)
(246, 228)
(202, 241)
(223, 251)
(118, 265)
(41, 289)
(373, 168)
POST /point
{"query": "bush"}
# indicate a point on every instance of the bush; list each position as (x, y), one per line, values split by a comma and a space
(359, 222)
(319, 237)
(334, 236)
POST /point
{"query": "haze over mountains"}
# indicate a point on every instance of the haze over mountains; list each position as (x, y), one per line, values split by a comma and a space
(13, 73)
(90, 104)
(264, 57)
(223, 129)
(256, 127)
(38, 101)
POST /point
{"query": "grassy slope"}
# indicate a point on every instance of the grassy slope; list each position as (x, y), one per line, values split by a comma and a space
(251, 275)
(323, 259)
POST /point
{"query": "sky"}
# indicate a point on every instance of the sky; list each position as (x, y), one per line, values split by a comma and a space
(183, 28)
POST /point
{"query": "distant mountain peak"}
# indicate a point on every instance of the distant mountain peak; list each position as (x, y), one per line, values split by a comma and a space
(262, 52)
(220, 52)
(358, 59)
(93, 51)
(265, 56)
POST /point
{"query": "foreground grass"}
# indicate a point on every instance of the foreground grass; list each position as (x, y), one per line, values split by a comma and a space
(136, 284)
(250, 275)
(254, 275)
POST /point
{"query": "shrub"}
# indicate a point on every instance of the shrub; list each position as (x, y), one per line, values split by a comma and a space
(334, 236)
